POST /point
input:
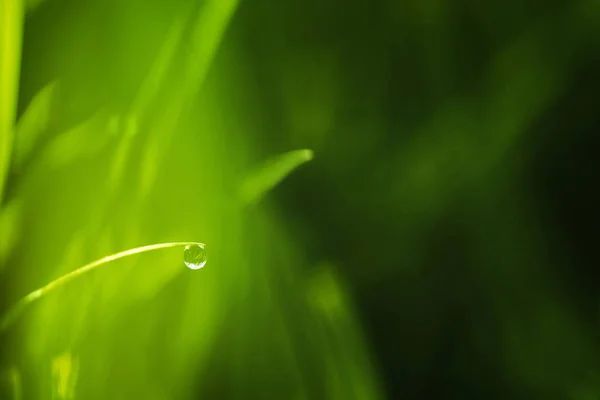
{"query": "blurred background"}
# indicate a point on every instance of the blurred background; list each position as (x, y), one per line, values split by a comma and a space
(440, 245)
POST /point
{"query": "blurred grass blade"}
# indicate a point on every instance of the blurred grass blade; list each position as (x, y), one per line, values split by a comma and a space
(79, 142)
(208, 33)
(65, 369)
(351, 361)
(145, 98)
(32, 124)
(151, 86)
(122, 151)
(17, 309)
(16, 384)
(11, 216)
(271, 173)
(11, 25)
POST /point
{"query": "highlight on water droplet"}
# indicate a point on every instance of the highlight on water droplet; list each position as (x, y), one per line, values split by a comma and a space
(194, 256)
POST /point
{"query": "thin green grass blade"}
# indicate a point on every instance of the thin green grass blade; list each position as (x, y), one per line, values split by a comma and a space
(32, 124)
(17, 309)
(271, 173)
(11, 26)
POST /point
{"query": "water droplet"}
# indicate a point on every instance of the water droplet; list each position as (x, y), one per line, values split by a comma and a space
(194, 256)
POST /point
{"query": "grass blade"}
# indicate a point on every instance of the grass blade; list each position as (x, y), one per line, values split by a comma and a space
(207, 32)
(78, 142)
(271, 173)
(210, 27)
(11, 26)
(32, 124)
(17, 309)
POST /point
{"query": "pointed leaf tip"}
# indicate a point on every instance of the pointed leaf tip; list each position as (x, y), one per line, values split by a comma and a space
(271, 173)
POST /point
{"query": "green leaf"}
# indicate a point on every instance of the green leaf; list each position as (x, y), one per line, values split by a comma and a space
(271, 173)
(208, 32)
(65, 369)
(82, 141)
(11, 26)
(32, 124)
(17, 308)
(11, 216)
(150, 88)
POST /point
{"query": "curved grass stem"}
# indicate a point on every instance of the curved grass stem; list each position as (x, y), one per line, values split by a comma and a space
(17, 309)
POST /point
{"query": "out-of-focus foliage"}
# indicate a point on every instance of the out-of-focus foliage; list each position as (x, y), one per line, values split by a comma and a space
(162, 162)
(270, 174)
(440, 245)
(32, 124)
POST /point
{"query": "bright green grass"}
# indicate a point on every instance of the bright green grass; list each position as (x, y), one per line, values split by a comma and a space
(21, 305)
(85, 323)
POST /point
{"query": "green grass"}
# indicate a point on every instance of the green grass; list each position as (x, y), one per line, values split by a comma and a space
(273, 171)
(17, 309)
(135, 133)
(255, 186)
(11, 25)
